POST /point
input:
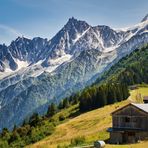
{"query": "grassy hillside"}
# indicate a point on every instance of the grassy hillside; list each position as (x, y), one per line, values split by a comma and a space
(88, 127)
(91, 125)
(138, 94)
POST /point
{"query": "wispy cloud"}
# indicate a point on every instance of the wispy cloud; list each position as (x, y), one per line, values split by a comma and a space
(9, 29)
(7, 34)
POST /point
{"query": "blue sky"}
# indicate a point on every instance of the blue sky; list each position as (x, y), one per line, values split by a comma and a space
(45, 18)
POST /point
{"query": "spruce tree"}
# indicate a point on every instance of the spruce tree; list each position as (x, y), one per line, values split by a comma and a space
(52, 109)
(66, 103)
(60, 106)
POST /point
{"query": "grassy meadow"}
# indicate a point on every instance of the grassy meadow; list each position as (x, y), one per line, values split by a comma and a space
(88, 127)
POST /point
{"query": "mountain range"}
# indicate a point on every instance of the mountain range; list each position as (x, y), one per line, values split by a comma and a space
(35, 72)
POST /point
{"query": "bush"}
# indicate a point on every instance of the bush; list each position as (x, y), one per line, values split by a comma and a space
(5, 135)
(14, 137)
(4, 144)
(78, 141)
(63, 146)
(62, 117)
(23, 131)
(36, 135)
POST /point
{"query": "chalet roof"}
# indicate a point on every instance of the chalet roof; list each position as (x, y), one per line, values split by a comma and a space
(142, 107)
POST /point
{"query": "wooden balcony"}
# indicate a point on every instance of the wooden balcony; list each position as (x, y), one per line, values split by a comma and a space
(130, 122)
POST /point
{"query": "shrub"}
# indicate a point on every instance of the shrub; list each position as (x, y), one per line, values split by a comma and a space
(14, 137)
(23, 131)
(4, 144)
(78, 141)
(62, 117)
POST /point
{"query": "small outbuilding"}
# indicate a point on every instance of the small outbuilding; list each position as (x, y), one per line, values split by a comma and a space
(129, 124)
(133, 87)
(145, 99)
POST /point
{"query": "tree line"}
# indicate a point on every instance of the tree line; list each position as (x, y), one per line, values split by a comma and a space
(100, 96)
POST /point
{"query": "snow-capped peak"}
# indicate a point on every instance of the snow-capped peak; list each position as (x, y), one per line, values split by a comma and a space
(73, 38)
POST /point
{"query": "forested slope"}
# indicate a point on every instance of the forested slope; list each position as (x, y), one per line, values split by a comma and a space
(131, 69)
(113, 85)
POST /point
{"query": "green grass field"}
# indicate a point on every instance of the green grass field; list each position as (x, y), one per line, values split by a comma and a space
(88, 127)
(138, 94)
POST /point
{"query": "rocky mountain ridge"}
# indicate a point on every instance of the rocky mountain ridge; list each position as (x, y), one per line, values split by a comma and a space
(35, 72)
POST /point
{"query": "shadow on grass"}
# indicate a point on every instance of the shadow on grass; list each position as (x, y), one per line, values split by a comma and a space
(75, 114)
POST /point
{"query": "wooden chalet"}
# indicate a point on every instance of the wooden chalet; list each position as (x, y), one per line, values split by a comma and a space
(129, 124)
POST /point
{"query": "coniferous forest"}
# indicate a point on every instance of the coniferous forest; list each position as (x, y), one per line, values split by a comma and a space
(105, 94)
(113, 85)
(132, 69)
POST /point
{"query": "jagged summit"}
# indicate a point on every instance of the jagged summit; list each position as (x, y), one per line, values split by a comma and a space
(74, 23)
(72, 19)
(145, 18)
(21, 38)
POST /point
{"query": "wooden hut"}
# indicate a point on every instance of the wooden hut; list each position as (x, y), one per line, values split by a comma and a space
(129, 124)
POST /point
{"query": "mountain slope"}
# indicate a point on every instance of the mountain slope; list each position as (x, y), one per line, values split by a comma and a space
(132, 69)
(36, 72)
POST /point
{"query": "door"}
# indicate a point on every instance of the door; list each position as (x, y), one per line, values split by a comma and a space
(128, 137)
(125, 137)
(131, 137)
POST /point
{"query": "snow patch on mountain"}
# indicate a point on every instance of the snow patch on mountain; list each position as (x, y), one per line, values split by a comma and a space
(78, 36)
(109, 49)
(54, 63)
(21, 64)
(60, 60)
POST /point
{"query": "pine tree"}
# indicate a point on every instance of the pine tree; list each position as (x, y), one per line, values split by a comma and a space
(103, 99)
(119, 94)
(60, 106)
(5, 134)
(34, 120)
(125, 91)
(15, 127)
(66, 103)
(52, 109)
(85, 101)
(111, 95)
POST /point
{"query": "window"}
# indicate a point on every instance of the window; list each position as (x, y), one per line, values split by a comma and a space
(127, 119)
